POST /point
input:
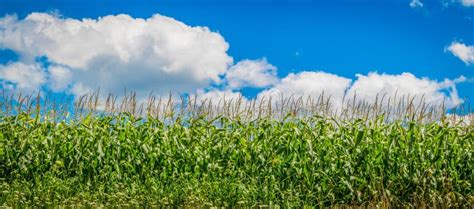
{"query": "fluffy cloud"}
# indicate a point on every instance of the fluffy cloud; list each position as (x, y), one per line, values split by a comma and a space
(462, 51)
(375, 86)
(251, 73)
(22, 77)
(455, 120)
(218, 96)
(161, 54)
(114, 52)
(366, 88)
(309, 84)
(416, 3)
(60, 78)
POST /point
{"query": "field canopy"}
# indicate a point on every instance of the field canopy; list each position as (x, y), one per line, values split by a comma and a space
(273, 106)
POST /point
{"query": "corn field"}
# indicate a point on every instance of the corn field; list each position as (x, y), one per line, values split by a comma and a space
(168, 151)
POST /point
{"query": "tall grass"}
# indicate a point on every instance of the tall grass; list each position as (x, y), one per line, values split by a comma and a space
(290, 152)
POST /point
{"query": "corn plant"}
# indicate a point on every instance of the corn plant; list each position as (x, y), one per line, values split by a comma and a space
(195, 154)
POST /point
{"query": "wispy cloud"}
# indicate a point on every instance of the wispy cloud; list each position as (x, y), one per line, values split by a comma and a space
(462, 51)
(416, 3)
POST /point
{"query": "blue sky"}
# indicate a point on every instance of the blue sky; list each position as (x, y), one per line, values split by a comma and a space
(340, 37)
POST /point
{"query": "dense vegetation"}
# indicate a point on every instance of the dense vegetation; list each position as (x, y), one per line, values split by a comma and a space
(122, 159)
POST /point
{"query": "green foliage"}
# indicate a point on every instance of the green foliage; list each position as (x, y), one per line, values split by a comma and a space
(122, 160)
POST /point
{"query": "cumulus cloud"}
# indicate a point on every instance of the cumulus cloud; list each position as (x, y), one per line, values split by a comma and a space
(309, 84)
(416, 3)
(60, 78)
(366, 88)
(161, 54)
(22, 77)
(462, 51)
(397, 87)
(251, 73)
(158, 53)
(454, 119)
(217, 97)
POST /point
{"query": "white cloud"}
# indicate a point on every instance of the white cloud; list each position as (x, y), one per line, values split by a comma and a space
(251, 73)
(372, 86)
(114, 52)
(161, 54)
(22, 77)
(366, 88)
(217, 96)
(60, 78)
(462, 51)
(455, 119)
(467, 3)
(309, 84)
(416, 3)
